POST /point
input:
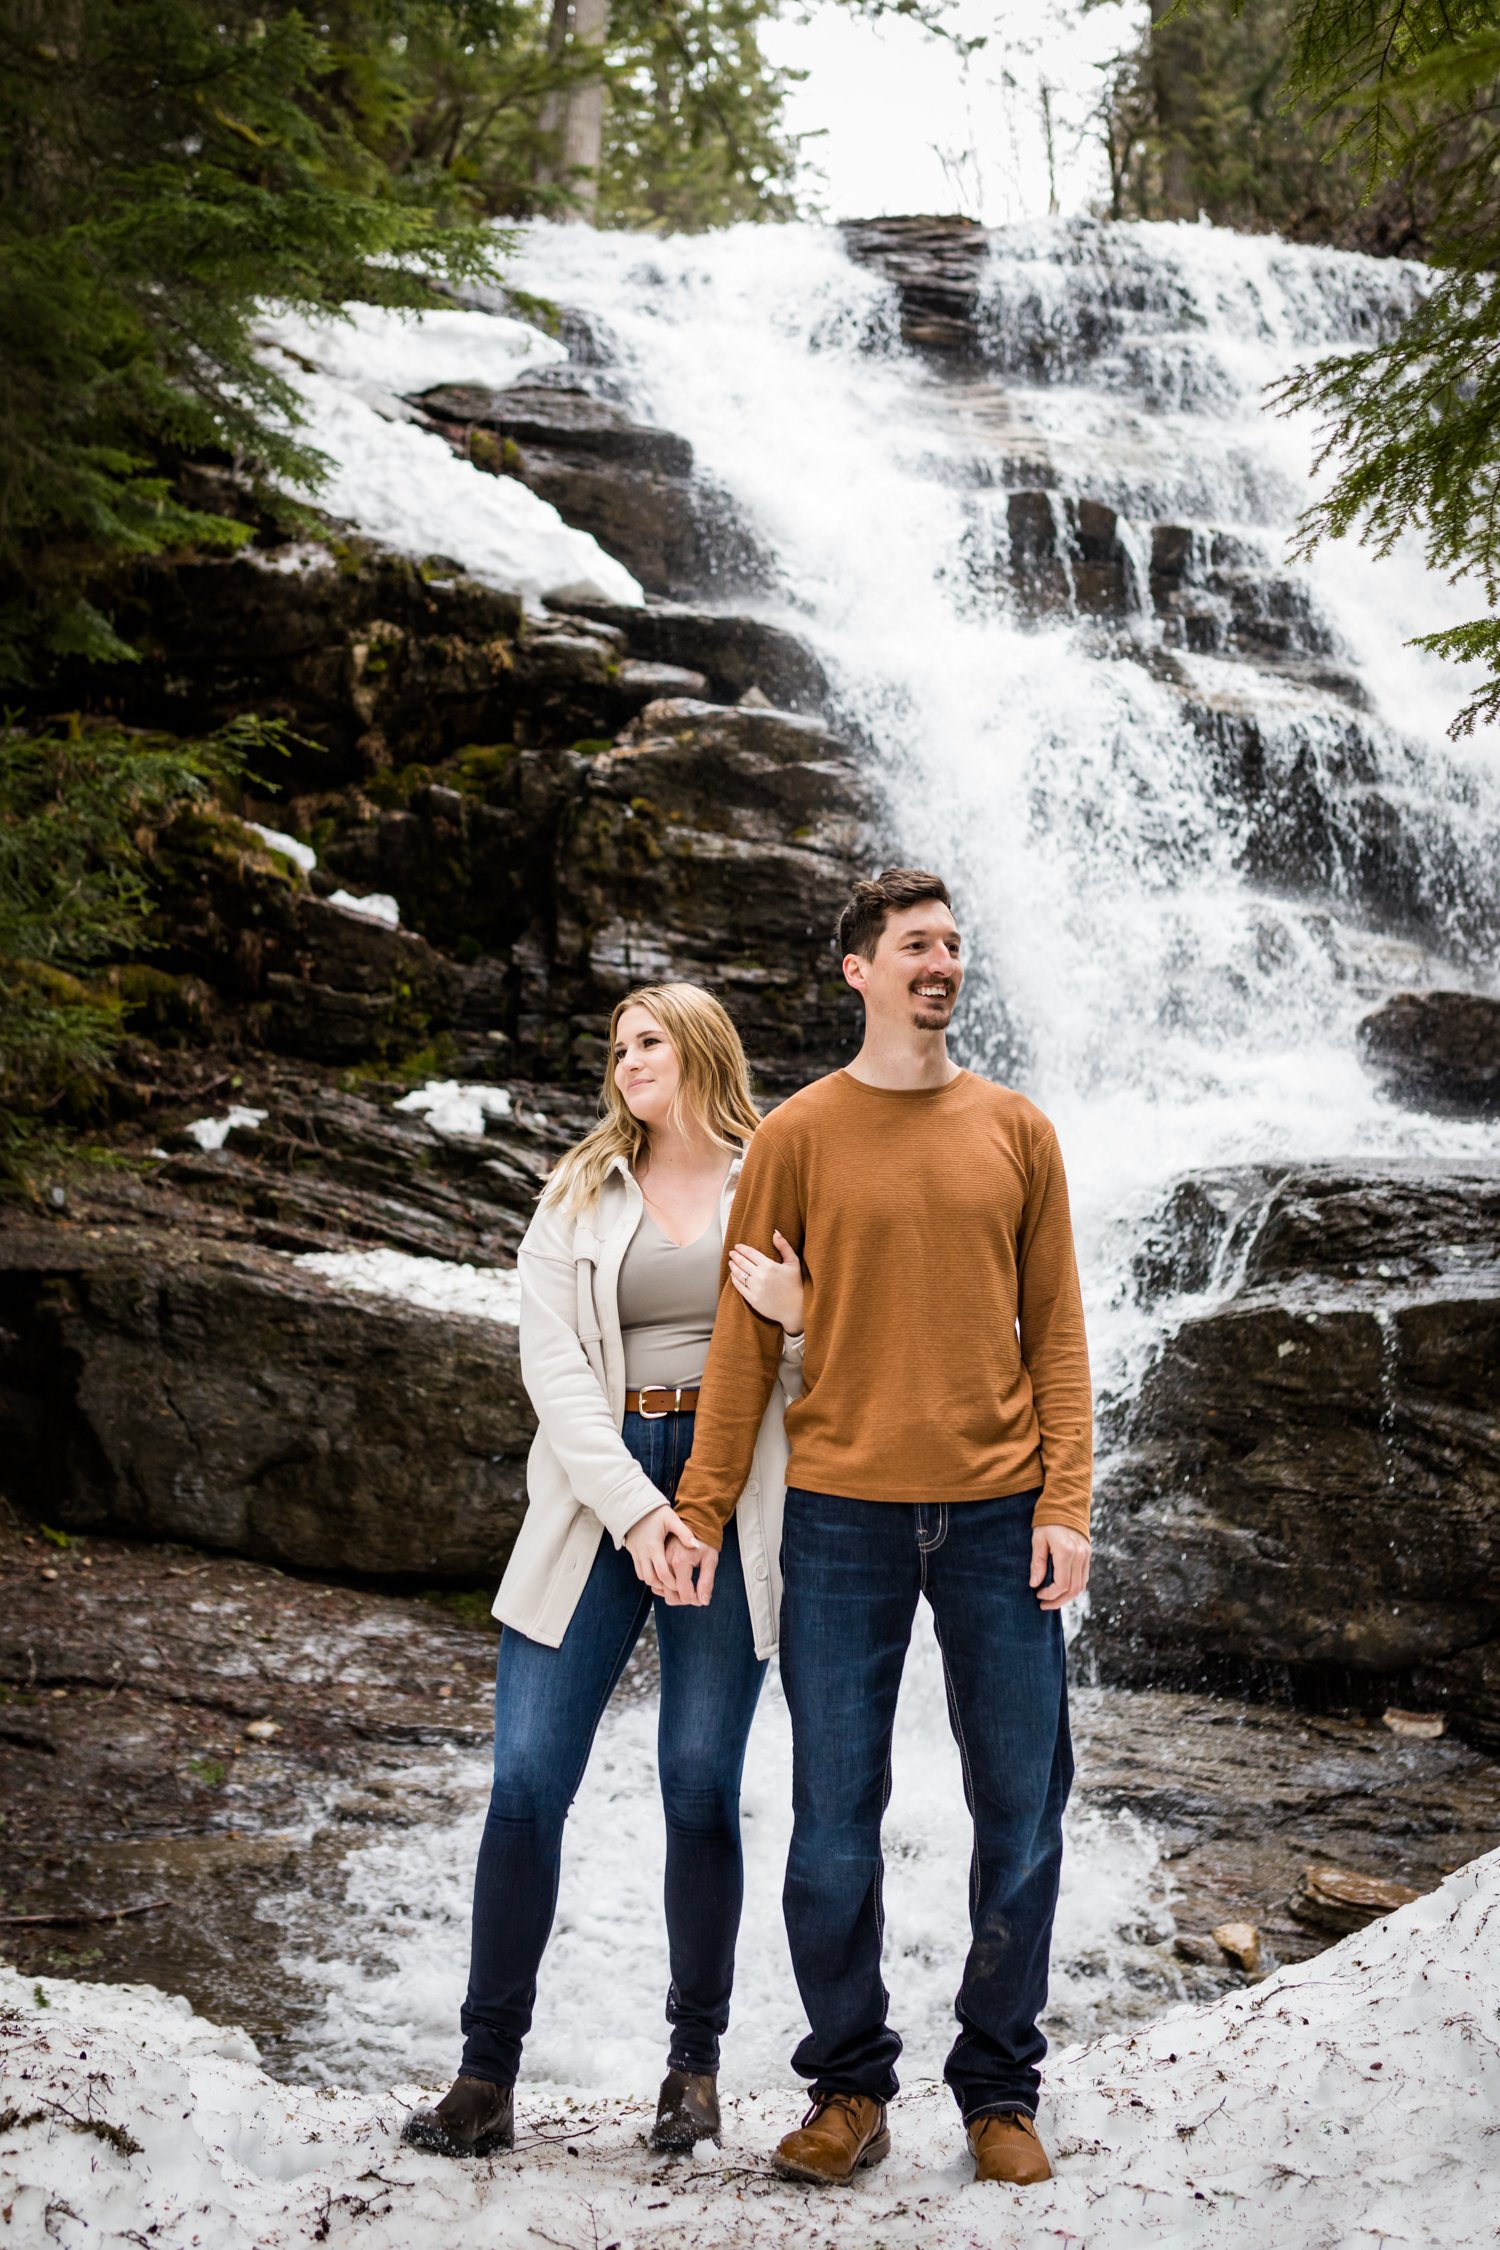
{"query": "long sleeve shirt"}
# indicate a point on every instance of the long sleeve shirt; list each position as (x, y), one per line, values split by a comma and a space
(945, 1355)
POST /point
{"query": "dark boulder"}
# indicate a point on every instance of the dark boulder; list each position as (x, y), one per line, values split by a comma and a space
(187, 1389)
(1437, 1051)
(936, 265)
(355, 648)
(1068, 555)
(711, 844)
(633, 487)
(735, 654)
(1307, 1489)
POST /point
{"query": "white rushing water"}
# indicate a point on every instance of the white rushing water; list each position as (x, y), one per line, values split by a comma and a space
(1184, 877)
(1138, 964)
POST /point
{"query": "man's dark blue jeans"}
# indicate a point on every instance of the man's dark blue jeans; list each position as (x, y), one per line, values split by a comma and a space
(548, 1703)
(854, 1570)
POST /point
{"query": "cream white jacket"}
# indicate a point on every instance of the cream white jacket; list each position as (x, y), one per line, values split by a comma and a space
(581, 1479)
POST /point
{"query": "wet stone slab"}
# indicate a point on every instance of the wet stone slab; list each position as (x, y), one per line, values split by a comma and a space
(130, 1674)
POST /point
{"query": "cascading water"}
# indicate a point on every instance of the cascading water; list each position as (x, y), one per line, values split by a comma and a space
(1185, 871)
(1185, 875)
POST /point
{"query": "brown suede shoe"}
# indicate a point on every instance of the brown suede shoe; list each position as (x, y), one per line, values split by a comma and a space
(839, 2136)
(687, 2111)
(473, 2118)
(1007, 2147)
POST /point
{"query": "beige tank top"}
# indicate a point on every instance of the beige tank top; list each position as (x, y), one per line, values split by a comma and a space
(667, 1301)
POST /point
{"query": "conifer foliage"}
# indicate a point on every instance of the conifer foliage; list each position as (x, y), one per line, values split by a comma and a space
(1413, 422)
(1400, 100)
(167, 166)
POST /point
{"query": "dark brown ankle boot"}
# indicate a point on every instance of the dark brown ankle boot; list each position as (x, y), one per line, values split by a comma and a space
(687, 2111)
(473, 2118)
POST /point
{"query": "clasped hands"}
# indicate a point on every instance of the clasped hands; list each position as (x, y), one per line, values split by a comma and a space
(672, 1560)
(676, 1564)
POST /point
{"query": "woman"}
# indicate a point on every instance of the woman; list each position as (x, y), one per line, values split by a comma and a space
(619, 1287)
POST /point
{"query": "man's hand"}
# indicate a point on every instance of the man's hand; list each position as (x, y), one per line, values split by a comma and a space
(1068, 1552)
(680, 1591)
(648, 1542)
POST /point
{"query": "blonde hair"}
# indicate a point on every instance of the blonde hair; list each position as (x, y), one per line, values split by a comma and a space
(713, 1087)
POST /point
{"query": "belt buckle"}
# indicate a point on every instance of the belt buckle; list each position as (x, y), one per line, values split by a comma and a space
(660, 1413)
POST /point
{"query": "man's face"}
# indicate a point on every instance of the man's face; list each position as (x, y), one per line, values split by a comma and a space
(915, 976)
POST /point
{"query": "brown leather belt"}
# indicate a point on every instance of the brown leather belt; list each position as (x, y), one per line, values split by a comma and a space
(667, 1401)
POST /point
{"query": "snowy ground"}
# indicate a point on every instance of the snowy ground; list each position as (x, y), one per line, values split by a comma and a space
(1352, 2099)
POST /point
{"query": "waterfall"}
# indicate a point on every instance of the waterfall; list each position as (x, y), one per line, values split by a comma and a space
(1185, 871)
(1199, 812)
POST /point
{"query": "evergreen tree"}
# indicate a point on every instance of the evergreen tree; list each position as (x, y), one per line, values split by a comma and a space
(1413, 422)
(1199, 117)
(694, 132)
(167, 166)
(78, 807)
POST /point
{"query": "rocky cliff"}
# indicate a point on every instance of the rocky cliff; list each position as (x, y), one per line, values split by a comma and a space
(562, 801)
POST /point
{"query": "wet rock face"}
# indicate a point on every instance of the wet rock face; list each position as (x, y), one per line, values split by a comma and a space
(464, 759)
(711, 844)
(735, 654)
(1437, 1051)
(634, 488)
(356, 649)
(936, 265)
(1309, 1488)
(220, 1395)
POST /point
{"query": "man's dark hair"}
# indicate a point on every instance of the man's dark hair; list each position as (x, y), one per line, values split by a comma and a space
(872, 900)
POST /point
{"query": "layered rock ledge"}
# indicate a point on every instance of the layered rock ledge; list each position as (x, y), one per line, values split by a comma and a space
(1308, 1492)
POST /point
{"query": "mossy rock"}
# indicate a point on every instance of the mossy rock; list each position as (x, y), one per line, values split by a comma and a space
(394, 787)
(160, 1006)
(483, 769)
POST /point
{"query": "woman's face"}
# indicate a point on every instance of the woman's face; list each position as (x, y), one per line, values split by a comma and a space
(647, 1071)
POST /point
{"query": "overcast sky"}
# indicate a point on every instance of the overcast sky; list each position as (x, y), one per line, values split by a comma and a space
(904, 124)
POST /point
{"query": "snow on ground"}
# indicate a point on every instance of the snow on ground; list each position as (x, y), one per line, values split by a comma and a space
(1351, 2099)
(404, 485)
(212, 1132)
(392, 1964)
(451, 1105)
(438, 1284)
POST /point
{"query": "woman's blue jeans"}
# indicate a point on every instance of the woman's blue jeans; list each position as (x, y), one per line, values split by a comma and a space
(855, 1571)
(548, 1704)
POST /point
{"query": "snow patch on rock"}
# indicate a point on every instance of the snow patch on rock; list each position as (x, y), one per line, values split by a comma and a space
(300, 854)
(451, 1106)
(436, 1284)
(404, 485)
(212, 1132)
(376, 906)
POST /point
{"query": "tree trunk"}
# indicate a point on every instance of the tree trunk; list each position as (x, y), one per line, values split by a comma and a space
(1172, 98)
(551, 116)
(582, 136)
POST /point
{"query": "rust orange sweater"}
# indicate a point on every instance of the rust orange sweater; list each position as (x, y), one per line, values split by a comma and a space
(945, 1355)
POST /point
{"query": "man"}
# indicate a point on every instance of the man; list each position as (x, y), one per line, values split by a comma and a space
(942, 1446)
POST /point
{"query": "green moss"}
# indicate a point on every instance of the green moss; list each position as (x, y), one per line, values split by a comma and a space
(411, 1067)
(394, 788)
(470, 1605)
(158, 1005)
(592, 746)
(210, 1771)
(500, 456)
(482, 768)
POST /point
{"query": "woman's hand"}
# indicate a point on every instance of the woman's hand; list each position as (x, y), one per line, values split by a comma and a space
(646, 1543)
(771, 1289)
